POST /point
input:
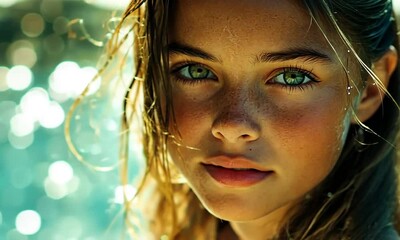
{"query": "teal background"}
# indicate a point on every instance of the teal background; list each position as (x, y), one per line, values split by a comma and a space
(45, 192)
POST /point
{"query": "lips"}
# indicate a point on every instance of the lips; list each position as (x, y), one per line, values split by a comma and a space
(235, 172)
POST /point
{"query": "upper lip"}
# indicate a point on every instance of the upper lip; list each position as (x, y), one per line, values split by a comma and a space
(236, 162)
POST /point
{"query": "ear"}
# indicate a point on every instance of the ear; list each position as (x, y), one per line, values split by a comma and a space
(372, 95)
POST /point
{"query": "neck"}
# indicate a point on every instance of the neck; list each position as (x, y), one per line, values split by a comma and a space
(263, 228)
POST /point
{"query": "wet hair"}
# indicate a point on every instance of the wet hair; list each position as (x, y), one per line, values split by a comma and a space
(357, 200)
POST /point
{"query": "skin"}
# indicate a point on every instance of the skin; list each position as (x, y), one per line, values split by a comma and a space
(242, 110)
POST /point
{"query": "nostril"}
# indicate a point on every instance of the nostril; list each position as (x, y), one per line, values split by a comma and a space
(235, 131)
(245, 136)
(248, 137)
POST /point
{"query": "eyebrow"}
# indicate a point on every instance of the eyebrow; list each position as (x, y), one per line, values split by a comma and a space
(302, 53)
(179, 48)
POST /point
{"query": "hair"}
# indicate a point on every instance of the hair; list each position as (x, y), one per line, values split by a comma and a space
(357, 200)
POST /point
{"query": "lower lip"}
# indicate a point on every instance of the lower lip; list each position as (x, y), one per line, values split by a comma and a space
(236, 178)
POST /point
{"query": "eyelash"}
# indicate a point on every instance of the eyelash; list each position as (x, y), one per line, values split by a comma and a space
(307, 73)
(301, 86)
(175, 73)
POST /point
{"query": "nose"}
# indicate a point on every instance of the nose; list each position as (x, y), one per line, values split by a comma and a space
(235, 128)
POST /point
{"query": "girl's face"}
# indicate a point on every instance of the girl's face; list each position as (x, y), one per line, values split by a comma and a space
(260, 104)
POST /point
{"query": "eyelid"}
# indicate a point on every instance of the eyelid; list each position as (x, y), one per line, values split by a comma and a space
(179, 66)
(282, 70)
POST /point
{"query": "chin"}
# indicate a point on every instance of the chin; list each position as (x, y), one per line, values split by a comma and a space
(228, 209)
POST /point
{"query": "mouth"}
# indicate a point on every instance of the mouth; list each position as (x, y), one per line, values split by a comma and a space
(233, 172)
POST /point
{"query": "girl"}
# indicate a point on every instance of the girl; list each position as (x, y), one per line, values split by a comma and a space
(279, 116)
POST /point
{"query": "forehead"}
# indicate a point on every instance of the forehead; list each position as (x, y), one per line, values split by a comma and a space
(245, 24)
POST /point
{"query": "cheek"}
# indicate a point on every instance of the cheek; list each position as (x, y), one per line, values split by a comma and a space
(316, 120)
(311, 134)
(192, 117)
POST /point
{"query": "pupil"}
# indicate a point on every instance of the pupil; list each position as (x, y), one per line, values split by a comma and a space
(293, 78)
(197, 72)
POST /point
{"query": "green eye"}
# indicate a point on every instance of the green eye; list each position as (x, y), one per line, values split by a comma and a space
(194, 71)
(198, 72)
(293, 77)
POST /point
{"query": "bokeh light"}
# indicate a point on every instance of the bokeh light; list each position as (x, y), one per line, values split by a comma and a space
(19, 78)
(8, 3)
(61, 172)
(60, 25)
(60, 180)
(45, 192)
(53, 116)
(34, 103)
(3, 79)
(22, 52)
(56, 191)
(69, 80)
(24, 56)
(32, 24)
(28, 222)
(21, 125)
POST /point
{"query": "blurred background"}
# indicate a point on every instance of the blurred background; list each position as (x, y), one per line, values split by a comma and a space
(45, 192)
